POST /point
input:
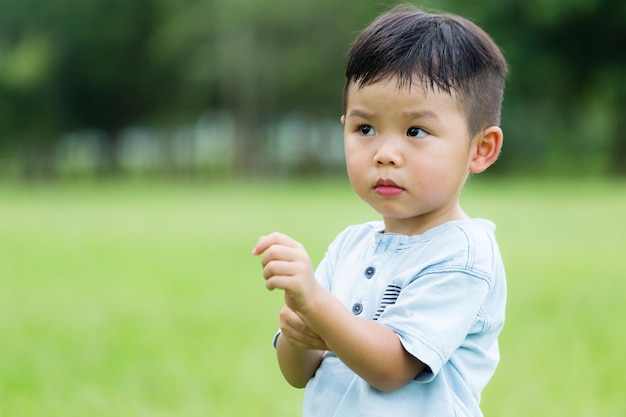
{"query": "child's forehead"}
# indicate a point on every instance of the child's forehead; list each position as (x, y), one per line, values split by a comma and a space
(388, 96)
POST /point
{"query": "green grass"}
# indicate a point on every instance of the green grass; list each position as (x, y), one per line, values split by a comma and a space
(144, 300)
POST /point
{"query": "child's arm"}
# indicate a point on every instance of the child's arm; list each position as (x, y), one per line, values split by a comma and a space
(370, 349)
(298, 348)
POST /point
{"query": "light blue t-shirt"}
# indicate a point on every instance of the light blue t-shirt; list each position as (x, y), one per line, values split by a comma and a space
(442, 292)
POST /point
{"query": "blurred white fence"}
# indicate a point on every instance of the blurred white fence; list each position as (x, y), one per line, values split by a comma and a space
(294, 144)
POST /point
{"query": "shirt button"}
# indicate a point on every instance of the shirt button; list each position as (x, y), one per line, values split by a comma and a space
(357, 308)
(369, 272)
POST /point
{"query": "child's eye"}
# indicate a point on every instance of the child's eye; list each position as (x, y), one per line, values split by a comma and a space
(367, 130)
(416, 132)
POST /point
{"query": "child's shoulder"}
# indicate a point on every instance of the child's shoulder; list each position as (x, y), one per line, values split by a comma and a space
(471, 229)
(462, 236)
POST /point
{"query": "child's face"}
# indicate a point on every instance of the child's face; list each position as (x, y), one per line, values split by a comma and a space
(408, 153)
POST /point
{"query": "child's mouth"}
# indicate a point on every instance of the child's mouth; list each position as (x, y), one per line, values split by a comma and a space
(387, 188)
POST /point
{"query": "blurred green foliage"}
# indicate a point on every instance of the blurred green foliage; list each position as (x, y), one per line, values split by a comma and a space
(104, 66)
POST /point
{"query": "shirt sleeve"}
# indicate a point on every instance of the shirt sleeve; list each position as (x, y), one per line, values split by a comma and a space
(434, 313)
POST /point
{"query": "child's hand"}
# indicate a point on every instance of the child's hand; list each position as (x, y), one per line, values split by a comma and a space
(287, 266)
(295, 331)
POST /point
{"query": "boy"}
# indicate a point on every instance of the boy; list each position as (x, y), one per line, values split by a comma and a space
(401, 317)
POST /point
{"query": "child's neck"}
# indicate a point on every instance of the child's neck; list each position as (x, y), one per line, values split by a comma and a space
(419, 225)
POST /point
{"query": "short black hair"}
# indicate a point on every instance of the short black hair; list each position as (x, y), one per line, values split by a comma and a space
(442, 52)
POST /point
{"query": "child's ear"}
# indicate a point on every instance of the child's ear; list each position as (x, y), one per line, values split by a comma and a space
(343, 119)
(486, 147)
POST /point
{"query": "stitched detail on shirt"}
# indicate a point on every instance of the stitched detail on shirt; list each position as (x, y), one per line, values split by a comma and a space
(486, 321)
(470, 247)
(392, 292)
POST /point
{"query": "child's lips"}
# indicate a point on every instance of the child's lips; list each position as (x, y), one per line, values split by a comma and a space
(387, 188)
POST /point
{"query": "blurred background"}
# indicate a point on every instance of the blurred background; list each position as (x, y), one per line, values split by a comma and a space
(206, 88)
(127, 286)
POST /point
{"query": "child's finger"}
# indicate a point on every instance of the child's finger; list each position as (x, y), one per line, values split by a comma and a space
(279, 254)
(260, 246)
(255, 249)
(281, 282)
(265, 242)
(277, 267)
(273, 239)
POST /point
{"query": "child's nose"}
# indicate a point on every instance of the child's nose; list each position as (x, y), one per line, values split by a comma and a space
(388, 154)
